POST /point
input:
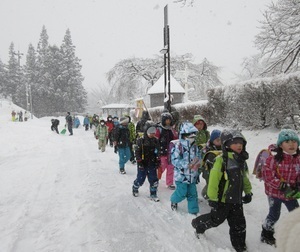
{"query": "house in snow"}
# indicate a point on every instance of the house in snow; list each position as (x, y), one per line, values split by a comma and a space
(116, 109)
(157, 92)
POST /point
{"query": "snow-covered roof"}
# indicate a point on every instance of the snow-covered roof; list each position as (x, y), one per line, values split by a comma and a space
(158, 87)
(117, 105)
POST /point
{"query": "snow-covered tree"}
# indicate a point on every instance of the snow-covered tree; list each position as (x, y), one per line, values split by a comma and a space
(13, 74)
(131, 78)
(40, 90)
(71, 78)
(2, 78)
(185, 2)
(279, 37)
(30, 73)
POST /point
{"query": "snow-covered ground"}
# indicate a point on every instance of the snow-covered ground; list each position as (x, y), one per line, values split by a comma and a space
(60, 193)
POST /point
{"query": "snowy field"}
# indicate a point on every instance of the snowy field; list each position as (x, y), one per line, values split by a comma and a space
(60, 193)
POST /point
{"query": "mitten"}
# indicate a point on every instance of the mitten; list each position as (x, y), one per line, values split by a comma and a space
(247, 198)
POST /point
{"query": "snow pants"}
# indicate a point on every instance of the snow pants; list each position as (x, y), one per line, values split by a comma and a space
(275, 209)
(151, 174)
(164, 165)
(234, 214)
(110, 139)
(124, 156)
(188, 191)
(70, 128)
(101, 144)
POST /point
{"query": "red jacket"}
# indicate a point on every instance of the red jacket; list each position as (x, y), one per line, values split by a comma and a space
(110, 126)
(287, 170)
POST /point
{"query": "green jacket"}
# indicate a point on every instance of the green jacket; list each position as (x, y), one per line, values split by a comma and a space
(102, 132)
(132, 134)
(202, 137)
(236, 180)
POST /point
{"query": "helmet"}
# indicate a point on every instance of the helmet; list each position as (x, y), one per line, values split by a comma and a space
(164, 117)
(187, 128)
(228, 135)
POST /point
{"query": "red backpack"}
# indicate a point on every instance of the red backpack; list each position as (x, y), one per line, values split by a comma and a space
(260, 160)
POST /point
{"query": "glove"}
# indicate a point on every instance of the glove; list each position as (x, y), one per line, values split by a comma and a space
(116, 149)
(247, 198)
(289, 192)
(213, 204)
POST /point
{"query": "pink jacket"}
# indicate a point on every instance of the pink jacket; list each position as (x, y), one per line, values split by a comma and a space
(288, 170)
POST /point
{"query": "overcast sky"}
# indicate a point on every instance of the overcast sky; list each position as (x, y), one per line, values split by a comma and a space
(107, 31)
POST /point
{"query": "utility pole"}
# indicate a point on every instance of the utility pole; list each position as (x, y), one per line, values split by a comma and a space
(19, 55)
(166, 52)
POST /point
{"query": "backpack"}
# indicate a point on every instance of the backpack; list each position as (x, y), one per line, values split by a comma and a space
(260, 160)
(204, 165)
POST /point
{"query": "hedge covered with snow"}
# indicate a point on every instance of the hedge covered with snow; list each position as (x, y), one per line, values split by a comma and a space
(256, 103)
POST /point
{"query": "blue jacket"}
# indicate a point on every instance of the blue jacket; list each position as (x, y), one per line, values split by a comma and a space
(182, 155)
(86, 121)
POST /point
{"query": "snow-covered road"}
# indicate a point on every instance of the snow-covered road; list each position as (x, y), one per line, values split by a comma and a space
(60, 193)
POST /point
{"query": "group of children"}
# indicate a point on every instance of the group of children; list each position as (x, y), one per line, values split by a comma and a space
(221, 159)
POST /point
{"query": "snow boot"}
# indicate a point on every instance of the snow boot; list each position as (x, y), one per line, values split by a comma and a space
(154, 197)
(171, 187)
(267, 237)
(174, 206)
(199, 230)
(135, 191)
(240, 249)
(122, 171)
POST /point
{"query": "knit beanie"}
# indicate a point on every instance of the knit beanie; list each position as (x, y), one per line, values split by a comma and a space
(214, 135)
(286, 135)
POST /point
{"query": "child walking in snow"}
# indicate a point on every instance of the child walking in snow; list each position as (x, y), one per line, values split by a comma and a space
(165, 135)
(122, 143)
(281, 175)
(203, 134)
(185, 157)
(227, 181)
(101, 134)
(209, 153)
(147, 161)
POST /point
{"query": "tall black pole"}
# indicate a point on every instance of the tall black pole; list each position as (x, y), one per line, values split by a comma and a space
(165, 64)
(169, 72)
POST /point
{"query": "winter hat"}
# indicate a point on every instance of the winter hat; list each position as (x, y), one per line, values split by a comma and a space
(124, 120)
(68, 113)
(214, 135)
(198, 118)
(286, 135)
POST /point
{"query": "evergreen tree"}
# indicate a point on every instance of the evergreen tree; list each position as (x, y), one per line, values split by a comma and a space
(30, 73)
(13, 74)
(73, 92)
(2, 78)
(41, 94)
